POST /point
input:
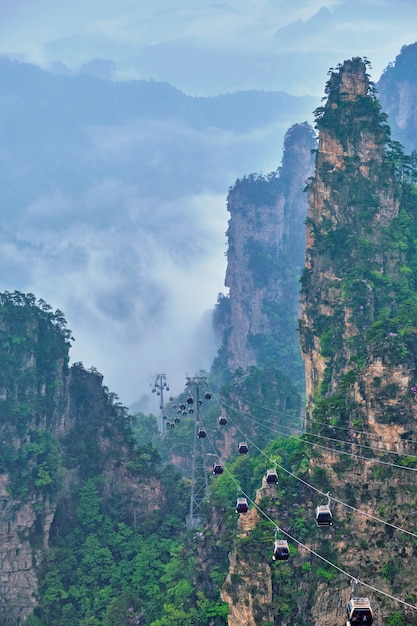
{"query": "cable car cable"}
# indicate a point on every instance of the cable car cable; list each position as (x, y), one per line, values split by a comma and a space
(355, 456)
(290, 415)
(340, 569)
(362, 445)
(303, 545)
(280, 412)
(273, 409)
(274, 429)
(362, 458)
(362, 432)
(304, 482)
(298, 432)
(336, 500)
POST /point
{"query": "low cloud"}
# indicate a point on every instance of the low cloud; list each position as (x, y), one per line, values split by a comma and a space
(136, 299)
(122, 227)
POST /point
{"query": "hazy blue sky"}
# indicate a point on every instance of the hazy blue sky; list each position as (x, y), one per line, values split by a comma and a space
(137, 297)
(208, 47)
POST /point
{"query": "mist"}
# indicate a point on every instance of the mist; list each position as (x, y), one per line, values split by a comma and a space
(210, 48)
(113, 200)
(136, 260)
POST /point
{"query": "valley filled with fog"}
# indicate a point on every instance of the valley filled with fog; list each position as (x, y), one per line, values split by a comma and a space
(121, 131)
(114, 210)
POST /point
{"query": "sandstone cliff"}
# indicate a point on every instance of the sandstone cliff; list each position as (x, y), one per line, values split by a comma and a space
(357, 330)
(397, 89)
(59, 426)
(248, 586)
(266, 241)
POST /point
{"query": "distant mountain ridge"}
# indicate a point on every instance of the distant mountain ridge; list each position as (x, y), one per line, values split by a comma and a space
(47, 121)
(152, 98)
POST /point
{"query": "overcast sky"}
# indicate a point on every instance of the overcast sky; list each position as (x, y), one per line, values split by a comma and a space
(202, 48)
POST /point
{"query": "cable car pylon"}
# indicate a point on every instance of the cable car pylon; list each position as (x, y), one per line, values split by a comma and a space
(159, 387)
(199, 477)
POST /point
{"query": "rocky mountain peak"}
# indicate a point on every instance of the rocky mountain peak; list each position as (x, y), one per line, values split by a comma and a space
(358, 320)
(266, 242)
(350, 81)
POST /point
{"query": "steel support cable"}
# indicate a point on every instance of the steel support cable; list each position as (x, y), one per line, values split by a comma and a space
(363, 445)
(256, 421)
(225, 404)
(311, 443)
(303, 545)
(294, 431)
(362, 432)
(362, 458)
(340, 569)
(272, 409)
(304, 482)
(351, 429)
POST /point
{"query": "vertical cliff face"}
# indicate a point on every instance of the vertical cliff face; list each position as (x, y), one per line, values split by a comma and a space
(248, 586)
(266, 240)
(397, 89)
(358, 335)
(58, 427)
(33, 412)
(351, 200)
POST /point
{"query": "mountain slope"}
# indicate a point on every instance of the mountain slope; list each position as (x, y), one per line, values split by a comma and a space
(61, 429)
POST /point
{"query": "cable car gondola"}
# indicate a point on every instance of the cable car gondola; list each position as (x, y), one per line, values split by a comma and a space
(243, 447)
(217, 468)
(201, 433)
(207, 395)
(241, 505)
(223, 418)
(359, 611)
(324, 514)
(190, 400)
(271, 477)
(281, 550)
